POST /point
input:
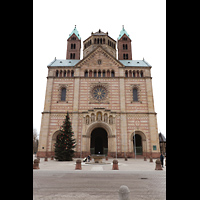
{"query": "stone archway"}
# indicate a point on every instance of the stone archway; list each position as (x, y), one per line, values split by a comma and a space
(140, 142)
(99, 141)
(111, 139)
(53, 140)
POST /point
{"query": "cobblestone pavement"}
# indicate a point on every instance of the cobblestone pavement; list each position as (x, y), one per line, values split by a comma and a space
(60, 180)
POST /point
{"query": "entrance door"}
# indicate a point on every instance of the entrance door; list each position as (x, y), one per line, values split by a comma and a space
(99, 141)
(138, 139)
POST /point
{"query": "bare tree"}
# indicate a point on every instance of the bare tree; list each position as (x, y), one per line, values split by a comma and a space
(35, 140)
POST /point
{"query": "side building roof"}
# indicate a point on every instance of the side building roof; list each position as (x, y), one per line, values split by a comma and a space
(135, 63)
(63, 63)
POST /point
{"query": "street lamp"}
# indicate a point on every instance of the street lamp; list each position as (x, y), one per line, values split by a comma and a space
(134, 144)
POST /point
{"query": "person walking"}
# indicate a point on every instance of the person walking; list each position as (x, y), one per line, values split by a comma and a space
(161, 159)
(88, 158)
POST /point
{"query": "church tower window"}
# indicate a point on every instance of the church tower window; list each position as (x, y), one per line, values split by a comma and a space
(63, 94)
(86, 73)
(135, 94)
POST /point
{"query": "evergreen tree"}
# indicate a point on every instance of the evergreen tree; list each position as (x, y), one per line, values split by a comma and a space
(65, 144)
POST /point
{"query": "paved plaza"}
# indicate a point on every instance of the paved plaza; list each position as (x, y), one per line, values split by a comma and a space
(60, 180)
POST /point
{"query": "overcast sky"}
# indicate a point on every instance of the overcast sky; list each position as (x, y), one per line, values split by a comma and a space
(144, 20)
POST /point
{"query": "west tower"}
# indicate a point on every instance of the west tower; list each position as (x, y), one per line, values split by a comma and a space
(124, 45)
(73, 45)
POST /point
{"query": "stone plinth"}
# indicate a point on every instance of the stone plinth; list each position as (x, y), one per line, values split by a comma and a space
(78, 165)
(158, 165)
(115, 165)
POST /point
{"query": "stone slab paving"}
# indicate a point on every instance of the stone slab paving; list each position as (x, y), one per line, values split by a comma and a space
(60, 180)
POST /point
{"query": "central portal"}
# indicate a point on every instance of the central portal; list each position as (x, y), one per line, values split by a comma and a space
(99, 141)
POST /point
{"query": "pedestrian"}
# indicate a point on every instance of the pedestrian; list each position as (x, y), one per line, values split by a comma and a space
(88, 158)
(161, 159)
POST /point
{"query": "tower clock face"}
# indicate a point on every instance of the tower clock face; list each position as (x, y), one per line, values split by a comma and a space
(99, 93)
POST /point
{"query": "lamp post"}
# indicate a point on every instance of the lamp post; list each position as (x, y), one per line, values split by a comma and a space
(134, 144)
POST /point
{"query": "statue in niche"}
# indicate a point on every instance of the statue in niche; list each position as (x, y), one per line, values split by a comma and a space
(106, 118)
(99, 117)
(87, 119)
(110, 120)
(92, 118)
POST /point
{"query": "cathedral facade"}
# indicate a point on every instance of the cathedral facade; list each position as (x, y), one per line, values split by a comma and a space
(109, 98)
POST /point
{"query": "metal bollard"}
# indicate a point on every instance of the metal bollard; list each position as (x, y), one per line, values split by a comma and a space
(46, 158)
(145, 159)
(151, 160)
(124, 193)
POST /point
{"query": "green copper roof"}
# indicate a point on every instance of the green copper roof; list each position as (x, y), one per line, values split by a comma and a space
(123, 31)
(75, 32)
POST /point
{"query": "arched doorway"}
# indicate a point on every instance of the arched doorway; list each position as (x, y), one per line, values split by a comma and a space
(53, 141)
(99, 141)
(138, 144)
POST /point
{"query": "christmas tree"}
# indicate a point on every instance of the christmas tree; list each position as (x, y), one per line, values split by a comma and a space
(65, 144)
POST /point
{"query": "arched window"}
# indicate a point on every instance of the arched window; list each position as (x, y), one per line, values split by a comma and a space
(90, 73)
(57, 73)
(72, 73)
(99, 73)
(95, 40)
(60, 73)
(112, 73)
(133, 73)
(104, 73)
(141, 74)
(95, 73)
(63, 94)
(68, 73)
(64, 73)
(126, 73)
(108, 73)
(130, 73)
(135, 94)
(86, 73)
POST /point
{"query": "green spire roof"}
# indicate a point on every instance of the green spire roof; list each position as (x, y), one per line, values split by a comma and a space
(75, 32)
(123, 31)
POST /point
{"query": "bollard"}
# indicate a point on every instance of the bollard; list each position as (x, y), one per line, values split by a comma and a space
(78, 164)
(45, 159)
(36, 164)
(38, 159)
(115, 165)
(158, 165)
(151, 160)
(106, 157)
(125, 158)
(124, 193)
(145, 158)
(52, 157)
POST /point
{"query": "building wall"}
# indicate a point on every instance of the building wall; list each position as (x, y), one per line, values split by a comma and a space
(127, 116)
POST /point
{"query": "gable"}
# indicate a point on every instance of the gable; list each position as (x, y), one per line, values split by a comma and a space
(123, 37)
(99, 58)
(72, 36)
